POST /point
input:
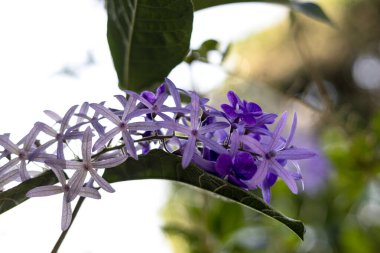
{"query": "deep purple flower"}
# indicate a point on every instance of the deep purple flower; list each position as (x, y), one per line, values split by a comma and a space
(241, 110)
(236, 168)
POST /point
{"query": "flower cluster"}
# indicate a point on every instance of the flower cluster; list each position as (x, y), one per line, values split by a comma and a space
(234, 143)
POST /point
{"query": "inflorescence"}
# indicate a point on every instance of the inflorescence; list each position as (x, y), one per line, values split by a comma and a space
(234, 143)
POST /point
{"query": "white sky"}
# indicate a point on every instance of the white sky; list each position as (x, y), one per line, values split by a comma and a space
(37, 39)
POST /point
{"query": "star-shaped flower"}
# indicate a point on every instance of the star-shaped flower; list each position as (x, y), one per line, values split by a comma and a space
(275, 152)
(64, 188)
(196, 131)
(23, 155)
(85, 166)
(123, 125)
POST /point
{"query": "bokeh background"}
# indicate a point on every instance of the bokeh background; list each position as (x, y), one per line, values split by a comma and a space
(330, 75)
(54, 54)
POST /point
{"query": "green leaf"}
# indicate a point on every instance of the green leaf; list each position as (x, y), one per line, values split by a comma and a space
(16, 195)
(203, 4)
(160, 165)
(147, 39)
(311, 10)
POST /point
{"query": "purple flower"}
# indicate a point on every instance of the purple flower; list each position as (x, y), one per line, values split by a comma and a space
(196, 132)
(23, 154)
(65, 188)
(241, 110)
(236, 168)
(274, 151)
(86, 165)
(123, 125)
(61, 136)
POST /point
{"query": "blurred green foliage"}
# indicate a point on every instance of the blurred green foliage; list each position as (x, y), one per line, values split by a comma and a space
(314, 65)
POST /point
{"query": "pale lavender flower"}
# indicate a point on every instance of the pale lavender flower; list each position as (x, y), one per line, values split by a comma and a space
(23, 154)
(61, 136)
(65, 188)
(196, 132)
(94, 120)
(86, 165)
(123, 125)
(273, 153)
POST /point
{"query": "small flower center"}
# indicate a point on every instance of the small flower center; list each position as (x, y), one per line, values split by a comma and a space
(66, 188)
(59, 137)
(155, 108)
(270, 154)
(23, 155)
(123, 125)
(194, 132)
(86, 167)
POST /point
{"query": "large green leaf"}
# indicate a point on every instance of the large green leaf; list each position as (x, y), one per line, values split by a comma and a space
(161, 165)
(147, 39)
(16, 195)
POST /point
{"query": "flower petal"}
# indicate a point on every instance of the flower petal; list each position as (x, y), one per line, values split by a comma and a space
(101, 181)
(292, 131)
(294, 154)
(46, 190)
(76, 183)
(259, 176)
(87, 144)
(173, 91)
(129, 145)
(253, 144)
(89, 192)
(213, 145)
(188, 152)
(66, 215)
(213, 127)
(110, 163)
(285, 176)
(101, 109)
(102, 141)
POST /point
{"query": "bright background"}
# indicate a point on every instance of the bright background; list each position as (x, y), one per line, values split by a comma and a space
(54, 54)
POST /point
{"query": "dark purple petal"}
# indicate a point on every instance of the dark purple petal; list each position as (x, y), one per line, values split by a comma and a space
(223, 165)
(255, 108)
(248, 118)
(229, 111)
(244, 165)
(149, 96)
(233, 98)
